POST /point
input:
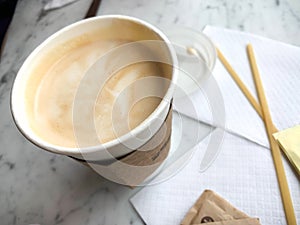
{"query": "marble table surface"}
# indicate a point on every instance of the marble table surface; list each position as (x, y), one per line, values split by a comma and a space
(38, 187)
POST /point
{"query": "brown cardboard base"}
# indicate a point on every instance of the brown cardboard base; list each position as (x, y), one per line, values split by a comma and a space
(136, 167)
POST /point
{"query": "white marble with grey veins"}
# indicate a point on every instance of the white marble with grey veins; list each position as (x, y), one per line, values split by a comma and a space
(38, 187)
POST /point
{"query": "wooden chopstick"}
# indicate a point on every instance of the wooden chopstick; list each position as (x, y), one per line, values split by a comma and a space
(281, 177)
(240, 83)
(242, 86)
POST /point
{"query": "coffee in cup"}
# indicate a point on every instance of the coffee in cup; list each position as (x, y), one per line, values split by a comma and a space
(50, 106)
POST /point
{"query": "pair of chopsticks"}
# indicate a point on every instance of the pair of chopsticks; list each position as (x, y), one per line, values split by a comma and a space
(263, 110)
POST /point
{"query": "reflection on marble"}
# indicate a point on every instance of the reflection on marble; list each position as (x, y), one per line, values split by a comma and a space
(38, 187)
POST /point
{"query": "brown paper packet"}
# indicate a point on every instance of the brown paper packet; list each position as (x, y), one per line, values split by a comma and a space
(247, 221)
(210, 207)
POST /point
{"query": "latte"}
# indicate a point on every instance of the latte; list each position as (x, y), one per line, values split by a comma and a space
(53, 89)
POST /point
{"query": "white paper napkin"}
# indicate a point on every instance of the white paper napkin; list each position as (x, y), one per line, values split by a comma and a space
(243, 173)
(279, 66)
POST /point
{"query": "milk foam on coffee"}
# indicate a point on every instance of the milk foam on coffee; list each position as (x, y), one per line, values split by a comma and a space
(52, 114)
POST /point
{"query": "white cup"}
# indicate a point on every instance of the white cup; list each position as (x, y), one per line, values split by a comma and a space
(114, 26)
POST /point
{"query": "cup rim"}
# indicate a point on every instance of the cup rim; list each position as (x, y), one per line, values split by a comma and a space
(36, 140)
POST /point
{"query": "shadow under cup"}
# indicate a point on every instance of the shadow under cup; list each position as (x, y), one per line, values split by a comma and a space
(135, 155)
